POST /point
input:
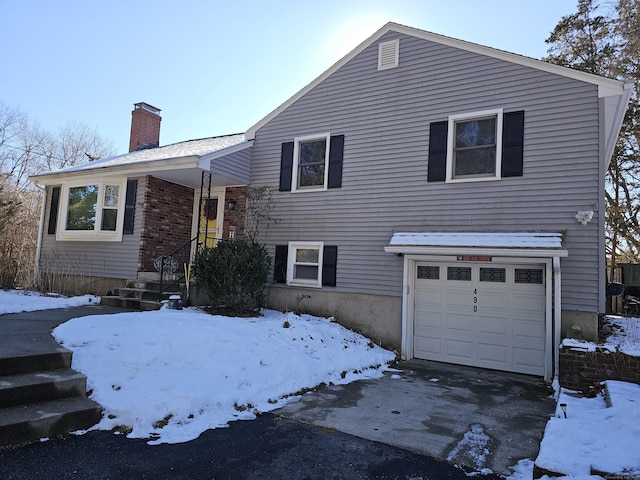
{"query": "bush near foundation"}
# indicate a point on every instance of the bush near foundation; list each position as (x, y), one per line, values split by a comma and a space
(234, 274)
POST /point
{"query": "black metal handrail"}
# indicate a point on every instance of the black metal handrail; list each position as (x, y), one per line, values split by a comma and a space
(174, 261)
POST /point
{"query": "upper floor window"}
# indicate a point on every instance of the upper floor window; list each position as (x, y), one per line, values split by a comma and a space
(311, 162)
(92, 211)
(474, 149)
(487, 145)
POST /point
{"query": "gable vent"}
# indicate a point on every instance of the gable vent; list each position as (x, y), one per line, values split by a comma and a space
(388, 54)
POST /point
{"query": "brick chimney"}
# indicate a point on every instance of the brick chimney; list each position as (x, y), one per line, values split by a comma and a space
(145, 127)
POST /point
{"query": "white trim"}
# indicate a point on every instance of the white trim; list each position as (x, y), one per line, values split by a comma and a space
(557, 314)
(492, 252)
(296, 162)
(43, 209)
(484, 114)
(95, 235)
(291, 260)
(606, 86)
(388, 54)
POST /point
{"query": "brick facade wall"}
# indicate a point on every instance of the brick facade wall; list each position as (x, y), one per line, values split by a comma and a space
(234, 217)
(166, 222)
(580, 369)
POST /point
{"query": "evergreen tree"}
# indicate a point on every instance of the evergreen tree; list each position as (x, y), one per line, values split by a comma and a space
(606, 42)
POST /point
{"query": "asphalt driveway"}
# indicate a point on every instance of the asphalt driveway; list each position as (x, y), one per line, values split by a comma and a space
(468, 416)
(415, 422)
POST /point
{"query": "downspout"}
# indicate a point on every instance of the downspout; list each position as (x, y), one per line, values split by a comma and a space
(36, 268)
(557, 315)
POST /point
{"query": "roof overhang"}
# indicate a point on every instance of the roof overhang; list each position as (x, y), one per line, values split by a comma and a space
(506, 244)
(186, 170)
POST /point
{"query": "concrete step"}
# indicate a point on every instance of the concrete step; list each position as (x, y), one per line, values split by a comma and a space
(41, 386)
(142, 293)
(52, 359)
(130, 303)
(29, 423)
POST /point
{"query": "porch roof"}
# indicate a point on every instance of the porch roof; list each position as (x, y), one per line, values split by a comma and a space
(180, 162)
(538, 244)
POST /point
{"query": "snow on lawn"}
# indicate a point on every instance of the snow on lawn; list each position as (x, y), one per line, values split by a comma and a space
(15, 301)
(592, 435)
(172, 374)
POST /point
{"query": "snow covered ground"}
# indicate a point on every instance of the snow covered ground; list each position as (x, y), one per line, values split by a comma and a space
(169, 375)
(14, 301)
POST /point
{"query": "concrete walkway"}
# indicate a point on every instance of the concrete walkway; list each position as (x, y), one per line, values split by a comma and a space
(471, 417)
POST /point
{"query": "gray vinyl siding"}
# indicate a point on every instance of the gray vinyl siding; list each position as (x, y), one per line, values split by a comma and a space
(95, 259)
(385, 117)
(235, 167)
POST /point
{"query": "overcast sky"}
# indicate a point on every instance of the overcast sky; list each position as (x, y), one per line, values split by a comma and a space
(216, 67)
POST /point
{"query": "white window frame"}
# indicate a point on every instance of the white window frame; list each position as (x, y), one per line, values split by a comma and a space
(497, 113)
(96, 235)
(296, 162)
(291, 263)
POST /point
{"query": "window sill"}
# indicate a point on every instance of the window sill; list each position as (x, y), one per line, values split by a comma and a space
(89, 237)
(304, 284)
(472, 179)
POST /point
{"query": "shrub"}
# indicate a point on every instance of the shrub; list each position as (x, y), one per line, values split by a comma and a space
(234, 274)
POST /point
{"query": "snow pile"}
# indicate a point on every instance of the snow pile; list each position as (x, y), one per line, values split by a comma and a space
(15, 301)
(170, 375)
(625, 338)
(593, 436)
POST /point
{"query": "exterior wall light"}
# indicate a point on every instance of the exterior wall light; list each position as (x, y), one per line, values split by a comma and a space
(584, 216)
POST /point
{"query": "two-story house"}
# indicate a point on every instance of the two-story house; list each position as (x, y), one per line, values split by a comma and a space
(442, 197)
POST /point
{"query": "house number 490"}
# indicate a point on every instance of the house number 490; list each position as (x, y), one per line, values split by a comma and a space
(475, 299)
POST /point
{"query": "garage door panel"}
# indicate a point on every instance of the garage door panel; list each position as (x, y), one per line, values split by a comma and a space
(429, 345)
(529, 330)
(493, 316)
(429, 296)
(528, 360)
(459, 349)
(492, 325)
(493, 353)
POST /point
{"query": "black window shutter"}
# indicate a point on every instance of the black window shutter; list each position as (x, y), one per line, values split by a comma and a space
(437, 167)
(512, 143)
(280, 264)
(329, 262)
(130, 207)
(336, 152)
(286, 166)
(53, 211)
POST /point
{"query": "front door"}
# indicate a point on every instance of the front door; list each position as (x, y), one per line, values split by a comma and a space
(208, 217)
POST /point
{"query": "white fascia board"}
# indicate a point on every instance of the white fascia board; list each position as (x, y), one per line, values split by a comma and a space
(613, 130)
(606, 86)
(138, 168)
(491, 252)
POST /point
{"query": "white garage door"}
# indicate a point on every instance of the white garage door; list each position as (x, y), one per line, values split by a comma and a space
(481, 314)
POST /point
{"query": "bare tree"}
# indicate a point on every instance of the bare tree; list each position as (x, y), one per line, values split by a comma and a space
(27, 149)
